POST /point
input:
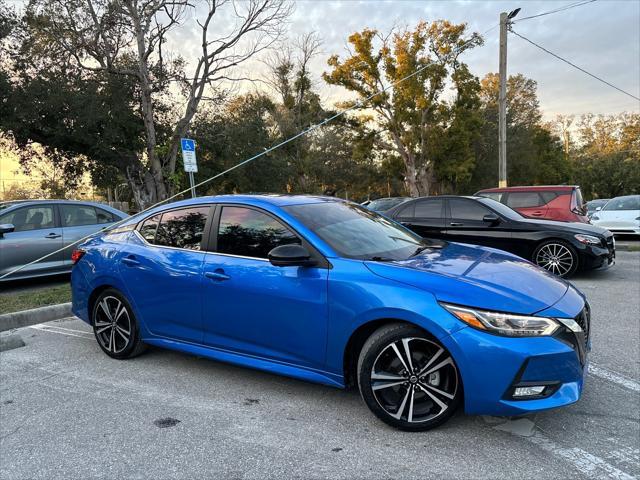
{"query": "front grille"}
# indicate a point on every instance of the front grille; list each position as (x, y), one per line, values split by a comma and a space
(584, 320)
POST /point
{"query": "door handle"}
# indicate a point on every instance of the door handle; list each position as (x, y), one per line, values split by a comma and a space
(456, 224)
(130, 261)
(537, 214)
(53, 235)
(217, 275)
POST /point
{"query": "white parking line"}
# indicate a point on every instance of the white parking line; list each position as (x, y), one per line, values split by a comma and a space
(62, 331)
(614, 377)
(585, 462)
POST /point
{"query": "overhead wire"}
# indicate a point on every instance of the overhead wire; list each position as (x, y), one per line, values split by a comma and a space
(573, 64)
(560, 9)
(310, 129)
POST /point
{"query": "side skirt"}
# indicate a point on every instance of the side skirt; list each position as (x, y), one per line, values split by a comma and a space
(243, 360)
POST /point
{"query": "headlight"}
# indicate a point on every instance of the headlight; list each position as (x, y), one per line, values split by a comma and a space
(507, 324)
(587, 239)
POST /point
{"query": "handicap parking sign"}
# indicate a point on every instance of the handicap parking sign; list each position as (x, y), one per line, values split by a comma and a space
(189, 154)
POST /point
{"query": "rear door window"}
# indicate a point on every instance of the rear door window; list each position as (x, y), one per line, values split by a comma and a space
(182, 228)
(77, 215)
(149, 227)
(431, 208)
(463, 209)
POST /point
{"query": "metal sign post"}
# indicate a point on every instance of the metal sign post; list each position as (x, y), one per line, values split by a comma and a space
(189, 160)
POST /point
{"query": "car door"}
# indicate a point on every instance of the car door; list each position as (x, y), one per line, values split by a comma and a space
(529, 204)
(253, 307)
(426, 217)
(80, 220)
(466, 223)
(37, 233)
(161, 267)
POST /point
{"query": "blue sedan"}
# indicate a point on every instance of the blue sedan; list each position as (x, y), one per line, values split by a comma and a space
(327, 291)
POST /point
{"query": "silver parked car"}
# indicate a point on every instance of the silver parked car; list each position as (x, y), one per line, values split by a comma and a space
(30, 229)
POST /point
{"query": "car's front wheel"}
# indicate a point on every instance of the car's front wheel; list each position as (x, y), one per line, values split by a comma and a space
(557, 257)
(115, 326)
(407, 379)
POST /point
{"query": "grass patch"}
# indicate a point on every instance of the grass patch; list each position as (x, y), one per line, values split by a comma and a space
(14, 302)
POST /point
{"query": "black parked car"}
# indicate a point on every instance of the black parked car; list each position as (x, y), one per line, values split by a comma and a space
(559, 247)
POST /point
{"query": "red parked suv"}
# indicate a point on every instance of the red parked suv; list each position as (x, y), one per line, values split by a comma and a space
(562, 203)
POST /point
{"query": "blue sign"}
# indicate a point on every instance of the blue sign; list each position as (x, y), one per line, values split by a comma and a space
(188, 145)
(189, 155)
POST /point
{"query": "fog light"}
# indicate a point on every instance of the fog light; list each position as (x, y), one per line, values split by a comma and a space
(528, 391)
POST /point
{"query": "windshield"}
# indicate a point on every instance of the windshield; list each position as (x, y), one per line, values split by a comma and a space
(501, 208)
(623, 203)
(355, 232)
(384, 204)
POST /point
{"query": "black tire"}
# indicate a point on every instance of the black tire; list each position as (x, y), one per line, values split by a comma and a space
(115, 326)
(553, 255)
(405, 401)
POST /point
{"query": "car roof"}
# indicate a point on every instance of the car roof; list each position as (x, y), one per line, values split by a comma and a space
(275, 199)
(531, 188)
(23, 203)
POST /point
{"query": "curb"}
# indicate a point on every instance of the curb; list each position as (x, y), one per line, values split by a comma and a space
(34, 316)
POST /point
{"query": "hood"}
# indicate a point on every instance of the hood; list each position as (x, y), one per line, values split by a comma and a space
(477, 277)
(575, 227)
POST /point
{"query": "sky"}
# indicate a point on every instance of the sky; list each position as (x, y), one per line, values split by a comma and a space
(602, 37)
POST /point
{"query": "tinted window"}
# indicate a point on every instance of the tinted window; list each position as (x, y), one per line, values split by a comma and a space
(462, 209)
(497, 196)
(182, 228)
(623, 203)
(548, 196)
(429, 208)
(105, 217)
(407, 211)
(355, 232)
(30, 218)
(524, 199)
(249, 233)
(501, 208)
(75, 215)
(149, 227)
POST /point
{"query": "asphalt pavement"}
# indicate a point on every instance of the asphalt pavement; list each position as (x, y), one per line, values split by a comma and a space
(69, 411)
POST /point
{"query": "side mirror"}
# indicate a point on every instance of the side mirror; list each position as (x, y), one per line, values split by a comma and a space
(6, 228)
(293, 255)
(491, 219)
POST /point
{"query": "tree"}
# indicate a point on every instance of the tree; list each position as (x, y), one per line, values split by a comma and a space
(126, 38)
(410, 110)
(534, 154)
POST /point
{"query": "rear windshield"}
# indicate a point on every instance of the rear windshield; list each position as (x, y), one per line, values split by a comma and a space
(623, 203)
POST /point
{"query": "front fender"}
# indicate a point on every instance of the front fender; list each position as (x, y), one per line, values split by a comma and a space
(357, 297)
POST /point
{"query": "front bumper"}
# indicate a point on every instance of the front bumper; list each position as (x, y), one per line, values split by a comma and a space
(598, 256)
(492, 366)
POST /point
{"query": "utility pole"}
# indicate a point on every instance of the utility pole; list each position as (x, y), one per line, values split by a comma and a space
(502, 98)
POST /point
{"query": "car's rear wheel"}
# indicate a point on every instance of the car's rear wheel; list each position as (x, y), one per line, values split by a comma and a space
(115, 327)
(557, 257)
(408, 379)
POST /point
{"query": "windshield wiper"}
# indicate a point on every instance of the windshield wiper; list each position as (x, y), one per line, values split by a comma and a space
(379, 259)
(419, 250)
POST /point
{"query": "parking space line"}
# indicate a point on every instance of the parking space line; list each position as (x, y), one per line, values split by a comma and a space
(625, 382)
(587, 463)
(62, 331)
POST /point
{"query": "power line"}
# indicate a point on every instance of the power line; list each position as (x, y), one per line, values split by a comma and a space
(573, 65)
(561, 9)
(310, 129)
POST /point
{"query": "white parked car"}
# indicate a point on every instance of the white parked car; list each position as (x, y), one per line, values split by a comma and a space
(621, 215)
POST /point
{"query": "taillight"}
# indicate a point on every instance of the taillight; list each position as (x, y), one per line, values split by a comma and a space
(76, 255)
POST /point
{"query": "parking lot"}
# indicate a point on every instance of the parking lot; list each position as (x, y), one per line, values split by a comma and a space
(67, 410)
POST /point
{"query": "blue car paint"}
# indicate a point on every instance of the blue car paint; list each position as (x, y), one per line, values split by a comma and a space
(333, 303)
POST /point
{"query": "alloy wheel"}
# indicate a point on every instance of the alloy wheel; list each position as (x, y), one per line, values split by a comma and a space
(556, 258)
(414, 380)
(112, 324)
